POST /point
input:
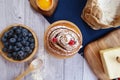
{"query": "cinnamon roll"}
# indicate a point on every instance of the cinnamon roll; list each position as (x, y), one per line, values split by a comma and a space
(63, 39)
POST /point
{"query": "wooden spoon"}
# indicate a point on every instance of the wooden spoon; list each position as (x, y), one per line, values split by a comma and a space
(35, 64)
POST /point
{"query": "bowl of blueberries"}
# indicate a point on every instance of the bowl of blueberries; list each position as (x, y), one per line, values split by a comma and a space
(18, 43)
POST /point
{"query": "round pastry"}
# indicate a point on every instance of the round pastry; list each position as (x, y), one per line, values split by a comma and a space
(63, 39)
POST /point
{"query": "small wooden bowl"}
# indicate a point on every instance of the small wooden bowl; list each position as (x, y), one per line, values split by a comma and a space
(47, 12)
(69, 25)
(31, 55)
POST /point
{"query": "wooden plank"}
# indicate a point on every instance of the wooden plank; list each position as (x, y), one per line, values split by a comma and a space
(10, 11)
(87, 73)
(74, 68)
(35, 21)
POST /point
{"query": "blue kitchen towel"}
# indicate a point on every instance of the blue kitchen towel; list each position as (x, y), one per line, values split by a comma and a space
(71, 10)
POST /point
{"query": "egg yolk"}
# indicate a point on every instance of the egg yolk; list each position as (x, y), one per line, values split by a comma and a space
(44, 4)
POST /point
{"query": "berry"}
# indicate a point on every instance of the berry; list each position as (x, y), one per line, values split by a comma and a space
(19, 39)
(18, 44)
(15, 36)
(18, 31)
(6, 44)
(24, 30)
(21, 53)
(12, 40)
(10, 48)
(6, 34)
(10, 33)
(27, 49)
(4, 49)
(25, 38)
(24, 34)
(9, 55)
(4, 39)
(16, 48)
(72, 42)
(32, 45)
(29, 34)
(27, 44)
(31, 40)
(30, 51)
(14, 28)
(54, 40)
(23, 42)
(14, 54)
(23, 49)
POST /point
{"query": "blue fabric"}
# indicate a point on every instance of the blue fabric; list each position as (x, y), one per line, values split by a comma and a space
(71, 10)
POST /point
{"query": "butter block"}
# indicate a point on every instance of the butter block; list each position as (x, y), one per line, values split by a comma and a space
(110, 63)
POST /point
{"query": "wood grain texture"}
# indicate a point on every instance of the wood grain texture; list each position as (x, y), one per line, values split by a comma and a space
(20, 11)
(92, 52)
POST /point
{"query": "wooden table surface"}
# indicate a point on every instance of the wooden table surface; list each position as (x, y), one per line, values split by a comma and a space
(19, 11)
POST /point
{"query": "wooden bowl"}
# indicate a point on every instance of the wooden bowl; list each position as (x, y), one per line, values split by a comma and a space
(48, 9)
(47, 12)
(54, 51)
(31, 55)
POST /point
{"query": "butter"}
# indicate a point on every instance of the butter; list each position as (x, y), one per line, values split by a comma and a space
(110, 59)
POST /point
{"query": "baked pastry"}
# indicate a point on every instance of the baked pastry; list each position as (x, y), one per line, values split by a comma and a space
(63, 39)
(102, 14)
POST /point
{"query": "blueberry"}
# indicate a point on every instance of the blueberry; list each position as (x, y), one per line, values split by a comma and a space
(6, 44)
(4, 49)
(15, 36)
(27, 49)
(16, 48)
(23, 49)
(9, 55)
(21, 53)
(14, 28)
(18, 31)
(18, 44)
(4, 39)
(23, 42)
(10, 48)
(24, 30)
(26, 38)
(24, 34)
(30, 51)
(32, 45)
(6, 34)
(31, 40)
(19, 39)
(29, 34)
(10, 32)
(15, 57)
(14, 54)
(12, 40)
(27, 44)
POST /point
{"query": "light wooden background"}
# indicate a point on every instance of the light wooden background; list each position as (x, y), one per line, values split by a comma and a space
(19, 11)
